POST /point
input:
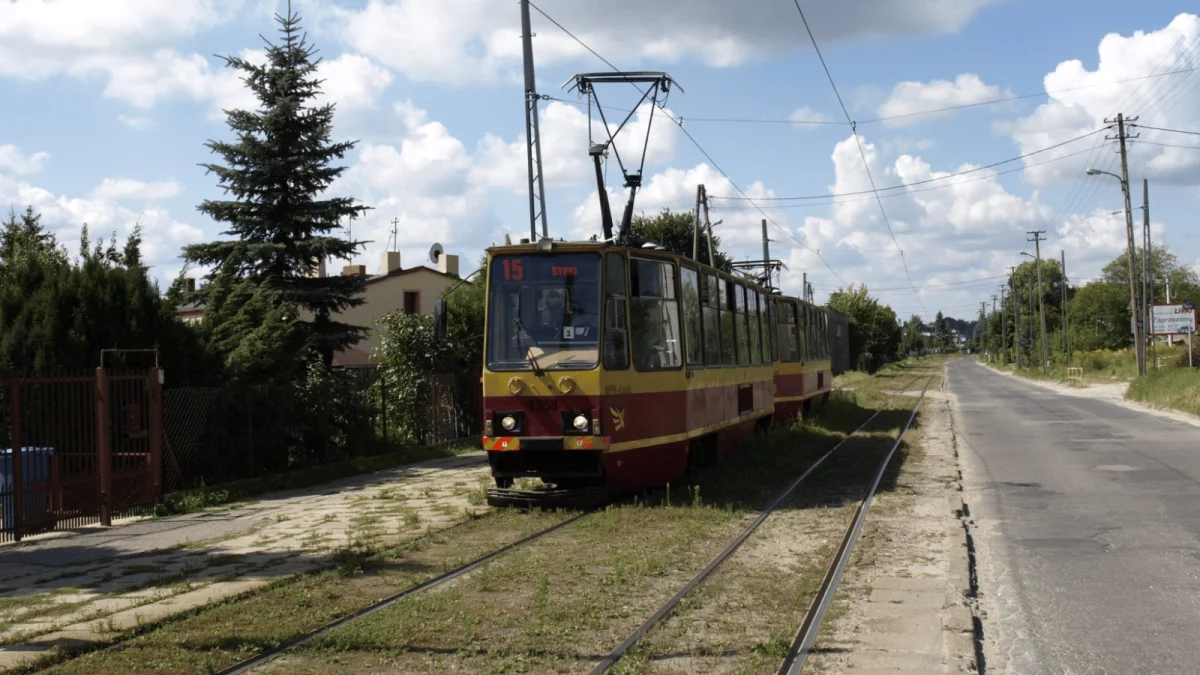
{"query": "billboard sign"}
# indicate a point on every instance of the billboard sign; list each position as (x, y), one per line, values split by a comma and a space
(1172, 319)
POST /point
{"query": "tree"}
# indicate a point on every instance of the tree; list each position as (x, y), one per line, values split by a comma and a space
(675, 232)
(912, 341)
(277, 172)
(941, 332)
(1165, 267)
(1100, 316)
(874, 331)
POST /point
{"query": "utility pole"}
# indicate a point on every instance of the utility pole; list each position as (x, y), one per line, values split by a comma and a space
(1037, 241)
(712, 255)
(766, 255)
(1139, 335)
(1148, 261)
(696, 229)
(1003, 327)
(395, 233)
(1015, 294)
(533, 137)
(983, 324)
(1066, 332)
(1032, 311)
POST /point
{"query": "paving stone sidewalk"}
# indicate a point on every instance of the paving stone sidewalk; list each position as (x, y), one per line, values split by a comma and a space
(85, 587)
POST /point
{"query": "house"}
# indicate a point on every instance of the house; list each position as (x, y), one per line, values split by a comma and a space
(415, 290)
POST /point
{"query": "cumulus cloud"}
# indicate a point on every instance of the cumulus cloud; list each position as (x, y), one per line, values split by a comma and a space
(908, 98)
(477, 40)
(116, 205)
(14, 162)
(1081, 100)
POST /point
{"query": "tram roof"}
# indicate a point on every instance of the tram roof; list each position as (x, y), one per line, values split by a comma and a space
(556, 247)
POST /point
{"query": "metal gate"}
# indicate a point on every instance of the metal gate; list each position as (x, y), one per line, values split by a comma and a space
(79, 449)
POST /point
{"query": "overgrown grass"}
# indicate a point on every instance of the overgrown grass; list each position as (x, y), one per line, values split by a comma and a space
(207, 497)
(1170, 387)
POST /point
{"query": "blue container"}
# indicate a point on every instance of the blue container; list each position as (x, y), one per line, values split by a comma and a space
(35, 473)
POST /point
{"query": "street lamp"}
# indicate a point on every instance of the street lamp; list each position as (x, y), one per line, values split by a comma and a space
(1139, 339)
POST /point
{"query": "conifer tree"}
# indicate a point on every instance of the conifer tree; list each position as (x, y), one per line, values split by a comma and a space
(276, 174)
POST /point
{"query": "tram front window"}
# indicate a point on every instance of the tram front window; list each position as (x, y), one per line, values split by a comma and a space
(544, 312)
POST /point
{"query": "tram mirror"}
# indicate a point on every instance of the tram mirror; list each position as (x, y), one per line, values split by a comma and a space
(439, 319)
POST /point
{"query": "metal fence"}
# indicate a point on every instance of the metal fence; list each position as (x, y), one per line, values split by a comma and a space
(78, 449)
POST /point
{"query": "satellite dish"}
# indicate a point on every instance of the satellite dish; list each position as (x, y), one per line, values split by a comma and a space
(435, 252)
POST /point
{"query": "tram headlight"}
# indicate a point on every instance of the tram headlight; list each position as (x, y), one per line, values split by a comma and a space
(580, 423)
(508, 422)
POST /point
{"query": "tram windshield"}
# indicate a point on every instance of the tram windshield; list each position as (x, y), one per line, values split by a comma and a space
(544, 312)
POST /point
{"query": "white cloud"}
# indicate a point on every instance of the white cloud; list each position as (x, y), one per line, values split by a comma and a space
(352, 81)
(105, 211)
(564, 130)
(128, 189)
(12, 161)
(804, 114)
(476, 40)
(915, 97)
(1168, 102)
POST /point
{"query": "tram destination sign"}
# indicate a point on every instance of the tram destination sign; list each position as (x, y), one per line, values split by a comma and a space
(1172, 319)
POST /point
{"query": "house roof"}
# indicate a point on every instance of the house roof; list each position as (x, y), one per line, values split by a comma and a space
(411, 270)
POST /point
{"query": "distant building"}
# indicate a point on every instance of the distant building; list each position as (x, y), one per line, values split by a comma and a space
(414, 290)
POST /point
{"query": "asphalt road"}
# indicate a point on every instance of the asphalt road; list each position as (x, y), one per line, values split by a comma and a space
(1087, 529)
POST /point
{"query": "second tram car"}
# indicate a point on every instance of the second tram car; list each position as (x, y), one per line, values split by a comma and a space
(608, 368)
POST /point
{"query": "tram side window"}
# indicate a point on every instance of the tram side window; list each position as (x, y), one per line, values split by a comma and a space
(789, 339)
(740, 325)
(616, 347)
(712, 321)
(824, 335)
(756, 351)
(770, 354)
(814, 349)
(728, 342)
(690, 288)
(654, 315)
(802, 331)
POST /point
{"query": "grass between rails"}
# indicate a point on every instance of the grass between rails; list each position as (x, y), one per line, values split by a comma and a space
(743, 618)
(586, 589)
(217, 637)
(207, 497)
(564, 602)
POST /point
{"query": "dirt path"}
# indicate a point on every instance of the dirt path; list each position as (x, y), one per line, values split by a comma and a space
(85, 587)
(903, 605)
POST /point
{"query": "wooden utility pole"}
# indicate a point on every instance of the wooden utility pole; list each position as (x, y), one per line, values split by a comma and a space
(1003, 327)
(1037, 242)
(1139, 334)
(1148, 276)
(1015, 294)
(1032, 312)
(1065, 331)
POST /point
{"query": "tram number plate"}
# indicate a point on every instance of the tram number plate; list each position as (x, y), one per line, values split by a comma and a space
(544, 406)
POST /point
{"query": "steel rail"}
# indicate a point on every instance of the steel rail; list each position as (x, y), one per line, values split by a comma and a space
(807, 635)
(623, 648)
(269, 655)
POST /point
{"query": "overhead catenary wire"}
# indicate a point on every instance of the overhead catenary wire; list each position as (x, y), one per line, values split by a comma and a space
(1173, 131)
(892, 195)
(927, 180)
(861, 151)
(698, 147)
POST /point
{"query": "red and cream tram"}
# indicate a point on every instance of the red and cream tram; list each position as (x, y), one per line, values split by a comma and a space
(608, 368)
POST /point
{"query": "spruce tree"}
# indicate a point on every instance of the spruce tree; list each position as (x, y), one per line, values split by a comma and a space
(276, 173)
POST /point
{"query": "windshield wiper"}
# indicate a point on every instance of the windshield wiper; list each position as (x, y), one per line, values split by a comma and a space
(521, 332)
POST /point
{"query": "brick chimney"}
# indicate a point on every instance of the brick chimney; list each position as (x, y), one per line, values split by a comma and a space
(389, 261)
(354, 270)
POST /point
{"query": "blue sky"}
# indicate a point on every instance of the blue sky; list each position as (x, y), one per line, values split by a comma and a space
(108, 109)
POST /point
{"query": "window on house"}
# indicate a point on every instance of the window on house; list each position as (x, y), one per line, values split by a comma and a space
(412, 302)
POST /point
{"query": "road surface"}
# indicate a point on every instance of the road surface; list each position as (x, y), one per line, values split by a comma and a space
(1087, 518)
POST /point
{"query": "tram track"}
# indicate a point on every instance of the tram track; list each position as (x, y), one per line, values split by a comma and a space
(807, 633)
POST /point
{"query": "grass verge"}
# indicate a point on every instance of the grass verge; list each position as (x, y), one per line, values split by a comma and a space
(1175, 388)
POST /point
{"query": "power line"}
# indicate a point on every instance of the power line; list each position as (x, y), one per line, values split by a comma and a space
(700, 148)
(861, 151)
(929, 180)
(912, 192)
(1174, 131)
(905, 288)
(1167, 145)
